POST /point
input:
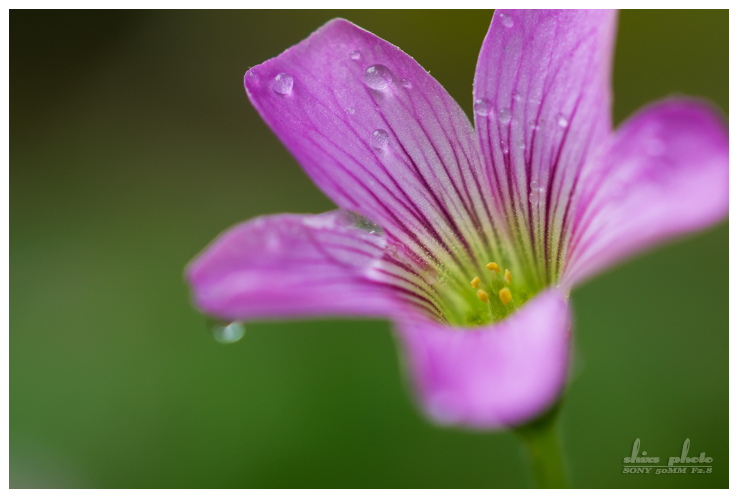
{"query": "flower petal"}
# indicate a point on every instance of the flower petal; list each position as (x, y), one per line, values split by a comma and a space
(294, 266)
(666, 173)
(492, 377)
(380, 137)
(544, 78)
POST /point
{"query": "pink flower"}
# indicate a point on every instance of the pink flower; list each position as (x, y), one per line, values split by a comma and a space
(541, 191)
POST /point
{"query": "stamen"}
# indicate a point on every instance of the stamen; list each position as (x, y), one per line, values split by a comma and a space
(505, 296)
(493, 267)
(475, 282)
(508, 277)
(483, 296)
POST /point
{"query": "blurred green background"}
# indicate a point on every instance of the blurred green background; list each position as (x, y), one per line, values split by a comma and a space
(133, 145)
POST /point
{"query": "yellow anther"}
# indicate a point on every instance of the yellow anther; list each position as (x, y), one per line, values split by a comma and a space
(483, 296)
(475, 282)
(493, 267)
(505, 296)
(508, 277)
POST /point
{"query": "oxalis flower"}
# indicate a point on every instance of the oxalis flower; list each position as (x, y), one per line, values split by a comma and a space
(468, 238)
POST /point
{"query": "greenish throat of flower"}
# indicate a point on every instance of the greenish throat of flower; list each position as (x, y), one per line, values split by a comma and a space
(488, 296)
(462, 292)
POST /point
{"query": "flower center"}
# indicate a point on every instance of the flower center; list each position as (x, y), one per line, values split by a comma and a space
(488, 297)
(498, 287)
(453, 285)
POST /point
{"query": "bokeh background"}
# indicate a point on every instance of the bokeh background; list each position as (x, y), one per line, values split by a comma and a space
(133, 145)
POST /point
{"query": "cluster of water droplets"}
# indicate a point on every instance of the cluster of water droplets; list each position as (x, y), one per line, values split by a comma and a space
(536, 193)
(484, 107)
(379, 77)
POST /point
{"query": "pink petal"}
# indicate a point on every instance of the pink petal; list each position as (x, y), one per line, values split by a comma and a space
(294, 266)
(543, 83)
(491, 377)
(665, 174)
(380, 137)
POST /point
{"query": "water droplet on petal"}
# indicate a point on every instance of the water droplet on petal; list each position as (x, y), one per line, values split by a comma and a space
(282, 83)
(350, 110)
(406, 83)
(482, 107)
(377, 77)
(505, 148)
(504, 115)
(379, 140)
(363, 223)
(253, 77)
(521, 144)
(431, 275)
(516, 96)
(561, 120)
(229, 333)
(355, 55)
(536, 193)
(506, 20)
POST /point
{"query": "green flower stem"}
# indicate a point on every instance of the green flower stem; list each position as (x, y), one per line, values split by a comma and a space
(544, 448)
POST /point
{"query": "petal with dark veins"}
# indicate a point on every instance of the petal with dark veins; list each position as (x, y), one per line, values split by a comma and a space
(291, 266)
(381, 137)
(664, 174)
(545, 76)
